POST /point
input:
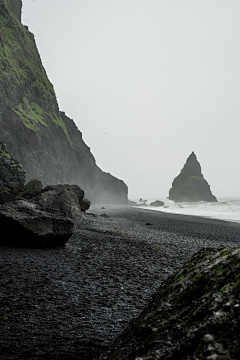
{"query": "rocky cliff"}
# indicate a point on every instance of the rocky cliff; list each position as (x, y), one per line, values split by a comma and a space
(44, 140)
(190, 184)
(11, 172)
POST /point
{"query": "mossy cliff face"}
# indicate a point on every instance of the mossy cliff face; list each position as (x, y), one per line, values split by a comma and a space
(45, 141)
(190, 185)
(194, 315)
(10, 170)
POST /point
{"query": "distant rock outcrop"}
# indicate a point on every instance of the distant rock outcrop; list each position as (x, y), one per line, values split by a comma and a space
(190, 185)
(157, 203)
(195, 314)
(44, 140)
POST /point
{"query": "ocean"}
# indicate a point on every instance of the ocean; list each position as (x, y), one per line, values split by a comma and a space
(225, 209)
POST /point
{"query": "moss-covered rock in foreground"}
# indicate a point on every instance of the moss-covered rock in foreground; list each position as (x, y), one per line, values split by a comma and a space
(194, 315)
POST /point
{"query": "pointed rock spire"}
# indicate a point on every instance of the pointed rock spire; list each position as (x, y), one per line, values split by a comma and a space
(190, 185)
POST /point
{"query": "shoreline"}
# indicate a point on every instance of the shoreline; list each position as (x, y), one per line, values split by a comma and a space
(184, 217)
(197, 218)
(198, 225)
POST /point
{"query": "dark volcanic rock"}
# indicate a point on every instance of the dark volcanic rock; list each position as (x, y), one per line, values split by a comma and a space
(157, 203)
(32, 189)
(74, 188)
(85, 204)
(5, 196)
(190, 184)
(12, 174)
(194, 315)
(16, 8)
(44, 140)
(62, 199)
(131, 203)
(25, 224)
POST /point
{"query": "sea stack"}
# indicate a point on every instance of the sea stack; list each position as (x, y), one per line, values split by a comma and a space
(190, 185)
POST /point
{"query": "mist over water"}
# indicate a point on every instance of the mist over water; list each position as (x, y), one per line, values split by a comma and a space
(225, 209)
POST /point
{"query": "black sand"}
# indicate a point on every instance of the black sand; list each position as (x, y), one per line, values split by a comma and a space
(72, 302)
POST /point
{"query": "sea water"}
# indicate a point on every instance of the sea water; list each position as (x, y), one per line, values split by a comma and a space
(225, 209)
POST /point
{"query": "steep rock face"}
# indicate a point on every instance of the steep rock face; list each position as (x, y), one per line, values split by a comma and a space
(190, 184)
(16, 8)
(11, 172)
(44, 140)
(194, 315)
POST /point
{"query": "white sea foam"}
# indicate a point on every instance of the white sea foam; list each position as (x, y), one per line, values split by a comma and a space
(225, 209)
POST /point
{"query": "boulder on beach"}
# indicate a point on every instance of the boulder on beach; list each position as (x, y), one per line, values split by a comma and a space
(5, 196)
(195, 314)
(25, 224)
(190, 185)
(61, 198)
(31, 189)
(85, 204)
(157, 203)
(74, 188)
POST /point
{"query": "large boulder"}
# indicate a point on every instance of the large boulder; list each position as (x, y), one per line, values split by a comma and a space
(31, 189)
(190, 185)
(195, 314)
(85, 204)
(5, 196)
(74, 188)
(25, 224)
(12, 174)
(61, 198)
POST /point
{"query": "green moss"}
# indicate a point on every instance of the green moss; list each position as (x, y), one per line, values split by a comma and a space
(233, 258)
(197, 278)
(181, 278)
(19, 60)
(237, 279)
(224, 252)
(30, 114)
(22, 73)
(26, 188)
(5, 155)
(218, 269)
(224, 289)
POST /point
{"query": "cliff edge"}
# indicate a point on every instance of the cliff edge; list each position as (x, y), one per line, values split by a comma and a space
(190, 185)
(44, 140)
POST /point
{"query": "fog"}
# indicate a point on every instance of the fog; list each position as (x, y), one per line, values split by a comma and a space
(147, 82)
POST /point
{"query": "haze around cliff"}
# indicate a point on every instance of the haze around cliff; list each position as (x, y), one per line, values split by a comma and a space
(147, 83)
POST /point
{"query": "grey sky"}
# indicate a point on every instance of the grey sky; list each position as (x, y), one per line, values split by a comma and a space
(147, 82)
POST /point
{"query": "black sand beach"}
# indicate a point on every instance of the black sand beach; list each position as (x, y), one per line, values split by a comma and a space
(72, 302)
